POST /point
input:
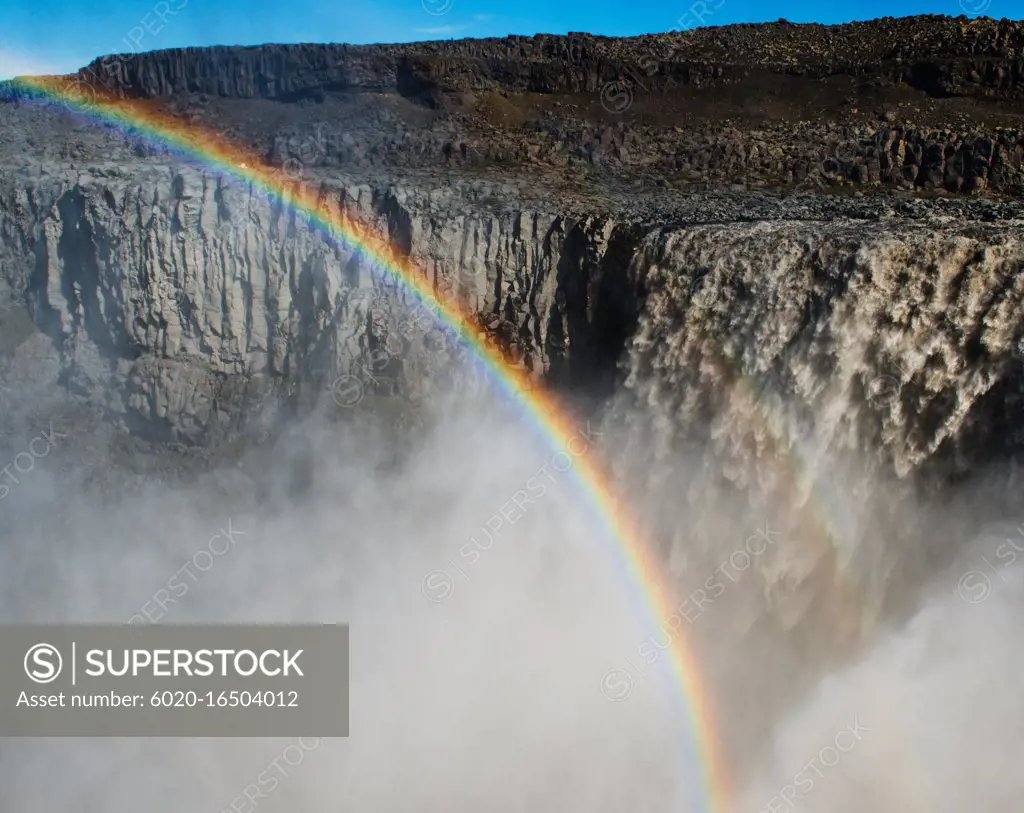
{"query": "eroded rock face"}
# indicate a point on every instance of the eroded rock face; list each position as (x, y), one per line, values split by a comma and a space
(940, 55)
(921, 103)
(167, 270)
(826, 359)
(192, 299)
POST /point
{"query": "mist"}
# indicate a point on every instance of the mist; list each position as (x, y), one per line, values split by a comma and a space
(930, 719)
(477, 650)
(492, 620)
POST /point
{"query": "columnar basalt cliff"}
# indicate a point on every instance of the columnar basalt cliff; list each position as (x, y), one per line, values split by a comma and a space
(164, 269)
(941, 56)
(913, 103)
(512, 174)
(122, 252)
(785, 260)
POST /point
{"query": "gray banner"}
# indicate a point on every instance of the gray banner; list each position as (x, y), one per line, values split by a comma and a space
(117, 680)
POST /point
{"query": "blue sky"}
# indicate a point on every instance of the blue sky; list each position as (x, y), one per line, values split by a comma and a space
(58, 36)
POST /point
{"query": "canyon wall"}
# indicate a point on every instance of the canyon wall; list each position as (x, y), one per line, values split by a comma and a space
(939, 55)
(169, 267)
(831, 372)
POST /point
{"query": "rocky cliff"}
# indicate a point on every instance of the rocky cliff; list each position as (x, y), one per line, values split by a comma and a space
(774, 347)
(784, 260)
(162, 269)
(921, 103)
(941, 56)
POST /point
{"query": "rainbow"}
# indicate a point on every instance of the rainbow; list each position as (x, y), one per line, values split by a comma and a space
(207, 148)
